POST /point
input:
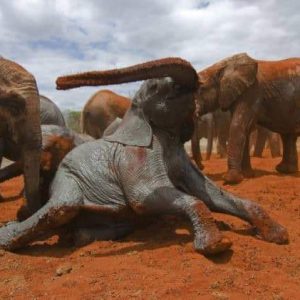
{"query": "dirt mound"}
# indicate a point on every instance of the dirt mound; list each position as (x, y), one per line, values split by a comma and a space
(158, 262)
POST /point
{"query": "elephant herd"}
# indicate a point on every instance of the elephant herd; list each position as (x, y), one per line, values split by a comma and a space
(130, 163)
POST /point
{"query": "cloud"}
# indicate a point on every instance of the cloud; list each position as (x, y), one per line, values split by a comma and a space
(52, 38)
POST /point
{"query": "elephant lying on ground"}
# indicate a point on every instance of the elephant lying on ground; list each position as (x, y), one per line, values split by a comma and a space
(101, 110)
(20, 127)
(262, 92)
(141, 169)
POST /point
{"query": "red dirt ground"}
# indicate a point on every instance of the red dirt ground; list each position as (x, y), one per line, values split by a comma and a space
(158, 262)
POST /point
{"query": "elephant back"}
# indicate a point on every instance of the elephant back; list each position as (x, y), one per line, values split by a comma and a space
(50, 113)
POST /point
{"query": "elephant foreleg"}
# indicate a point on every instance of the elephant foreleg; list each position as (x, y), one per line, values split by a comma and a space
(52, 215)
(246, 164)
(219, 200)
(13, 170)
(289, 163)
(167, 200)
(241, 123)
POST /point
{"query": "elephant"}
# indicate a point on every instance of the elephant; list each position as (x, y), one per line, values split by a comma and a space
(204, 128)
(101, 110)
(50, 113)
(262, 136)
(141, 169)
(211, 125)
(57, 141)
(255, 91)
(20, 129)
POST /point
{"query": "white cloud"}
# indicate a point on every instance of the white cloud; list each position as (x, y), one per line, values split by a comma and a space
(56, 37)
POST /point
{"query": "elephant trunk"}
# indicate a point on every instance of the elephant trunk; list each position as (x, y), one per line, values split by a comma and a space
(180, 70)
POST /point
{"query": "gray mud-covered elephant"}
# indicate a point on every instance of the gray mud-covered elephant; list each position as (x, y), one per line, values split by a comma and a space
(255, 91)
(50, 113)
(20, 129)
(141, 169)
(101, 110)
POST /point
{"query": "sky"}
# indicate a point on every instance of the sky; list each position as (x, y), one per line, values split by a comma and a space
(52, 38)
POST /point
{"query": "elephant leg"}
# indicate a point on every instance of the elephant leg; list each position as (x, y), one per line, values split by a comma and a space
(1, 156)
(221, 201)
(13, 170)
(289, 163)
(168, 200)
(241, 123)
(222, 147)
(246, 164)
(54, 214)
(196, 149)
(261, 138)
(274, 142)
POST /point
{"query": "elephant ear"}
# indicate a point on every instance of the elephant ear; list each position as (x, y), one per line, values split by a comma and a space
(134, 129)
(238, 74)
(13, 102)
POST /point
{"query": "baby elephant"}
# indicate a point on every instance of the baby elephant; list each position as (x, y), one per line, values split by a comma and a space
(141, 169)
(57, 141)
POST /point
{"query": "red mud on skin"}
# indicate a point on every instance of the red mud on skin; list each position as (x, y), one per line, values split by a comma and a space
(159, 262)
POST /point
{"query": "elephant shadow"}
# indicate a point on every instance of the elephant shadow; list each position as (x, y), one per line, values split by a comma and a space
(165, 232)
(257, 174)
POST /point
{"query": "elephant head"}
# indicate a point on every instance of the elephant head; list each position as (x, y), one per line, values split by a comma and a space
(224, 82)
(163, 103)
(20, 112)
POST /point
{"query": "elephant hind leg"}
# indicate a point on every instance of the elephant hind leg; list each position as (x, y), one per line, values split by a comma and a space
(15, 235)
(168, 200)
(289, 163)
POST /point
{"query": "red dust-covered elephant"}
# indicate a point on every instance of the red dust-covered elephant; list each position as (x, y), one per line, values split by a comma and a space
(255, 91)
(101, 110)
(20, 128)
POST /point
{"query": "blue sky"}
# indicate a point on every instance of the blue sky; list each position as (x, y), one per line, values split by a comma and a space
(52, 38)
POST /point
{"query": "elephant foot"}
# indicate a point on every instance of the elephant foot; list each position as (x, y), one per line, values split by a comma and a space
(233, 176)
(267, 228)
(286, 168)
(248, 173)
(213, 244)
(273, 232)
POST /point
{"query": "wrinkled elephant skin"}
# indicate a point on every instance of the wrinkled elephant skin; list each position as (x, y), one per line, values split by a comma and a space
(255, 91)
(141, 169)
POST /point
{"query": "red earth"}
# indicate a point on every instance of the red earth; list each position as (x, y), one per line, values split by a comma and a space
(158, 262)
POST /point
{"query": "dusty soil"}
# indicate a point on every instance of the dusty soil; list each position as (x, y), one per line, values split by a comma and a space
(158, 262)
